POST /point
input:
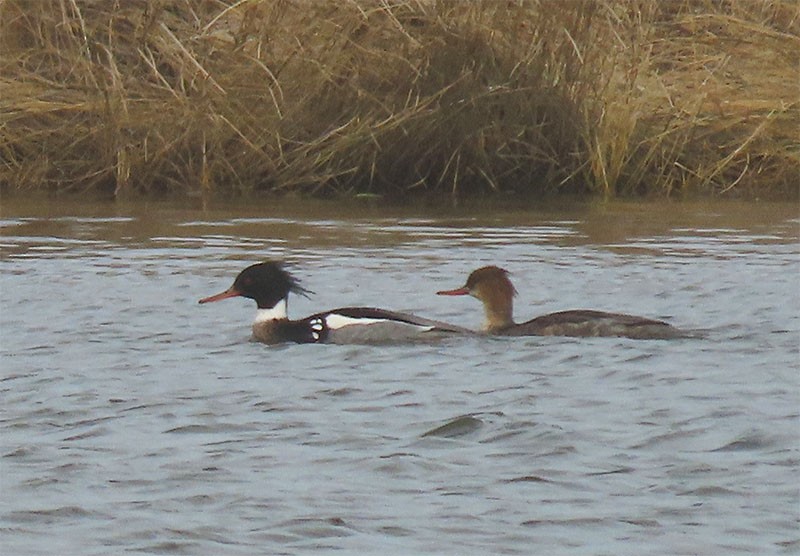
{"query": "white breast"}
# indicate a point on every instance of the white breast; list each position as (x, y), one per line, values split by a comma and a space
(275, 313)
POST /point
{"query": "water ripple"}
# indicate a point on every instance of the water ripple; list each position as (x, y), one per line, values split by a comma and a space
(134, 420)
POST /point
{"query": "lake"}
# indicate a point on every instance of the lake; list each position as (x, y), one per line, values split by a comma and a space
(134, 420)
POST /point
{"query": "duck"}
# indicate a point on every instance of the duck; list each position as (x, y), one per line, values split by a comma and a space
(269, 284)
(492, 286)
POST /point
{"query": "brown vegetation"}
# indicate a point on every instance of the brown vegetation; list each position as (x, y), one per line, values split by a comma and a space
(400, 97)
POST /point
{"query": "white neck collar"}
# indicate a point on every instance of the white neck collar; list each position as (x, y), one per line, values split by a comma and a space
(278, 312)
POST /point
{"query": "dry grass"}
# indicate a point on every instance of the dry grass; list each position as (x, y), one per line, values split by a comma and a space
(400, 97)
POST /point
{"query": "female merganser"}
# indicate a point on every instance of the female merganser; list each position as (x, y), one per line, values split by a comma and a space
(491, 285)
(269, 284)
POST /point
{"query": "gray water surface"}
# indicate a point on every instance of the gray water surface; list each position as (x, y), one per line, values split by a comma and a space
(135, 421)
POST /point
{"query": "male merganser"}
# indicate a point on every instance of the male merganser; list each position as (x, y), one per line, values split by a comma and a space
(269, 284)
(491, 285)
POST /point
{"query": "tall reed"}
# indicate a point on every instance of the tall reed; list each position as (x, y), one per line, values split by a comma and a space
(400, 98)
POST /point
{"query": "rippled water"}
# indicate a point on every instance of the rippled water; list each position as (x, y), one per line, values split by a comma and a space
(134, 420)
